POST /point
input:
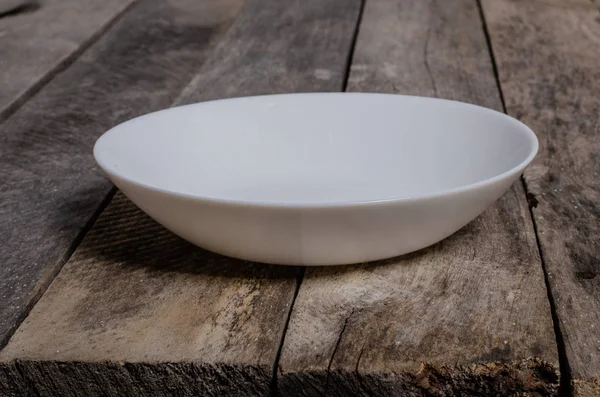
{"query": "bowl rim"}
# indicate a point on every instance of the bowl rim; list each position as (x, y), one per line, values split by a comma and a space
(312, 205)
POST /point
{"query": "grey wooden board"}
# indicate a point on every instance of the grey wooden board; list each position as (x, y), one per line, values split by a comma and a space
(254, 59)
(176, 317)
(467, 316)
(45, 36)
(49, 183)
(548, 57)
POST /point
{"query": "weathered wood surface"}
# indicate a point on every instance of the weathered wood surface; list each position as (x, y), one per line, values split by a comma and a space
(468, 316)
(49, 183)
(45, 36)
(176, 317)
(548, 57)
(300, 48)
(137, 310)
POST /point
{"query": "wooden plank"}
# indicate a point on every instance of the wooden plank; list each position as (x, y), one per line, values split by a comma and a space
(548, 57)
(44, 37)
(138, 311)
(49, 183)
(468, 316)
(266, 64)
(176, 317)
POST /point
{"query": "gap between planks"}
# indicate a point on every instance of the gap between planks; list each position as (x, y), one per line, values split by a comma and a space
(353, 45)
(30, 91)
(550, 76)
(565, 386)
(302, 271)
(54, 270)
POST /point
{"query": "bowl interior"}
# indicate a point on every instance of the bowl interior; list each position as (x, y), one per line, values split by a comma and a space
(317, 148)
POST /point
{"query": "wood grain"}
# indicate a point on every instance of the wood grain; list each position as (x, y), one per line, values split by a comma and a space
(468, 316)
(138, 311)
(176, 317)
(548, 57)
(49, 183)
(44, 37)
(301, 48)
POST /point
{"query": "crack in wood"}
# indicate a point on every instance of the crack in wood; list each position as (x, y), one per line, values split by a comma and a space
(335, 349)
(299, 278)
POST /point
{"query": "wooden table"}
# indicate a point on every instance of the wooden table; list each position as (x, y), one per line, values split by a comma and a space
(97, 299)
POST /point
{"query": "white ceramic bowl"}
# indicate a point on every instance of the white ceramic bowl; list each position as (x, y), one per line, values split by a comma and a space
(316, 179)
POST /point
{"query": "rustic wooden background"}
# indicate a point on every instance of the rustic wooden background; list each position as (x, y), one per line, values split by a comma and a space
(97, 299)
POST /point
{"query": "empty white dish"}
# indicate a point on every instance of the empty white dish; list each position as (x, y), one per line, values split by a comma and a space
(316, 179)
